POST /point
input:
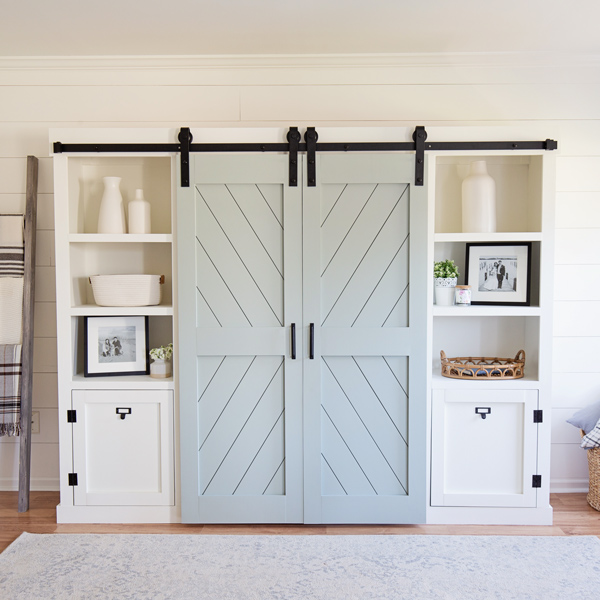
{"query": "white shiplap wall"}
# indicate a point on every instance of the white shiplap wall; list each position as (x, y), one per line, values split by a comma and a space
(543, 96)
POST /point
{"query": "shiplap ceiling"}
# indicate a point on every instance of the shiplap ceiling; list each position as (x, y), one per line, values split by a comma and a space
(218, 27)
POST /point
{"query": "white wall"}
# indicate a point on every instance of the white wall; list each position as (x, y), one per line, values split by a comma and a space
(544, 96)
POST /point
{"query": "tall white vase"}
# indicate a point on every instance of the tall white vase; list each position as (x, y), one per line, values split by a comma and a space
(139, 214)
(478, 200)
(111, 218)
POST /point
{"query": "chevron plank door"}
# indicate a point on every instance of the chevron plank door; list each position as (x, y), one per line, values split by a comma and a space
(239, 256)
(364, 401)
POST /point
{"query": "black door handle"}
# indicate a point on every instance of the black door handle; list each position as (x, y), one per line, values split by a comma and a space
(293, 328)
(311, 351)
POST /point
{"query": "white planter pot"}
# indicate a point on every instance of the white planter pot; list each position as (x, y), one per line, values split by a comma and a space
(478, 200)
(160, 368)
(444, 290)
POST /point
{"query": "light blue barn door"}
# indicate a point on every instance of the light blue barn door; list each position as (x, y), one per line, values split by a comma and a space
(239, 260)
(336, 434)
(364, 307)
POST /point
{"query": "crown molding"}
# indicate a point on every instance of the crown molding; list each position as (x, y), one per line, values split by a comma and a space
(250, 61)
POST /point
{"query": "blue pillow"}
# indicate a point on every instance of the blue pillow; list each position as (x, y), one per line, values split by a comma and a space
(586, 418)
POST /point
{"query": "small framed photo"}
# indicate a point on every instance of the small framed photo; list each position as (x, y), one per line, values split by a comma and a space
(115, 346)
(500, 273)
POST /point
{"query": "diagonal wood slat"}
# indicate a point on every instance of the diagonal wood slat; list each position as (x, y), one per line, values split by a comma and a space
(241, 428)
(367, 251)
(364, 427)
(241, 260)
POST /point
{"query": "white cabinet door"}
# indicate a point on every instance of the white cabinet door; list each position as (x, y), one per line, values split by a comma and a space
(477, 461)
(123, 447)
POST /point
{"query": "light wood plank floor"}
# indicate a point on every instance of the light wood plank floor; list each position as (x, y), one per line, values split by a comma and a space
(572, 516)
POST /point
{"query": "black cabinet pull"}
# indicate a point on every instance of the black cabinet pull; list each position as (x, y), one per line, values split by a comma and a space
(123, 412)
(483, 411)
(311, 352)
(293, 328)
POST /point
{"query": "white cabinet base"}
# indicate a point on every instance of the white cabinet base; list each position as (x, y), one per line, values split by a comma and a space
(117, 514)
(437, 515)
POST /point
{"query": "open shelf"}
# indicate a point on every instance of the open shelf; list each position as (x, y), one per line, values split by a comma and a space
(127, 238)
(93, 310)
(438, 381)
(121, 382)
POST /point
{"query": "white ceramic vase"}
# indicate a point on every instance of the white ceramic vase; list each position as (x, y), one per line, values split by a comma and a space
(111, 218)
(161, 368)
(139, 214)
(478, 200)
(444, 290)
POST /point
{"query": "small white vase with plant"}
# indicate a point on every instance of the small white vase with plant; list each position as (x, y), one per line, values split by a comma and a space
(445, 274)
(161, 365)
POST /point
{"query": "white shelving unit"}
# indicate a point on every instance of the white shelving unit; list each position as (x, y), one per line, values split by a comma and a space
(125, 468)
(483, 470)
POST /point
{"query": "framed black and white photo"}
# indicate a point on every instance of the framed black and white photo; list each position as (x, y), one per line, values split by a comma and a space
(500, 273)
(115, 346)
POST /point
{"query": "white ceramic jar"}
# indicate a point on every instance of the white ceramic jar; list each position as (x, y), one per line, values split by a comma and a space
(111, 217)
(478, 200)
(139, 213)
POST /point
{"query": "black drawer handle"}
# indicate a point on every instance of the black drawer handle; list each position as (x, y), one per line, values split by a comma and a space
(123, 412)
(293, 332)
(311, 352)
(484, 411)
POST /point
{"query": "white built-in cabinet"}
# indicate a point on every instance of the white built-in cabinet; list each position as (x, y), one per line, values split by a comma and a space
(487, 470)
(478, 470)
(117, 434)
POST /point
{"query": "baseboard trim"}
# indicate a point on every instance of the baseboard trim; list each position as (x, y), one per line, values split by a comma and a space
(569, 486)
(37, 484)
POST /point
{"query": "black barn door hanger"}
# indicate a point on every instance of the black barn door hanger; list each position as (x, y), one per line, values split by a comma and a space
(311, 146)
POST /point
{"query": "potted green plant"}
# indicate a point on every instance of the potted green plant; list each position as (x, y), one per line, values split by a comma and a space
(161, 365)
(445, 274)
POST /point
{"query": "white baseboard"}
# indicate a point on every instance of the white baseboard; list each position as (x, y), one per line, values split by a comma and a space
(569, 486)
(37, 484)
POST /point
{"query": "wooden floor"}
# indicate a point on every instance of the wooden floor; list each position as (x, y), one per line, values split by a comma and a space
(572, 516)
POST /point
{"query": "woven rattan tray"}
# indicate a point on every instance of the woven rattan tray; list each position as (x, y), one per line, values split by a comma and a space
(483, 367)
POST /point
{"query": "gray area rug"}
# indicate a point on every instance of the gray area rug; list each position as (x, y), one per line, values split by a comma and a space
(219, 567)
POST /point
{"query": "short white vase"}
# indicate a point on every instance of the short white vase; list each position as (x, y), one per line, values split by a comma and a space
(139, 214)
(478, 200)
(444, 290)
(161, 368)
(111, 218)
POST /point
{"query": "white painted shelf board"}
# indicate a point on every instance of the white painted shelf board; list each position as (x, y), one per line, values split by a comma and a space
(93, 310)
(513, 236)
(121, 382)
(112, 238)
(486, 311)
(438, 381)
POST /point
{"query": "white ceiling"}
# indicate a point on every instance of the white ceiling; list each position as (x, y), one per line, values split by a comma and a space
(217, 27)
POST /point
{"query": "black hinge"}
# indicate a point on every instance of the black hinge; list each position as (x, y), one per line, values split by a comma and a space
(293, 138)
(538, 416)
(419, 137)
(73, 479)
(536, 481)
(185, 137)
(311, 136)
(71, 416)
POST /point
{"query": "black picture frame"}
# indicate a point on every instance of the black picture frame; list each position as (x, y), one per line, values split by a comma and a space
(115, 345)
(486, 263)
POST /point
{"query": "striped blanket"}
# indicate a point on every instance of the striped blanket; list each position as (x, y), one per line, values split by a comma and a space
(10, 389)
(11, 311)
(12, 262)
